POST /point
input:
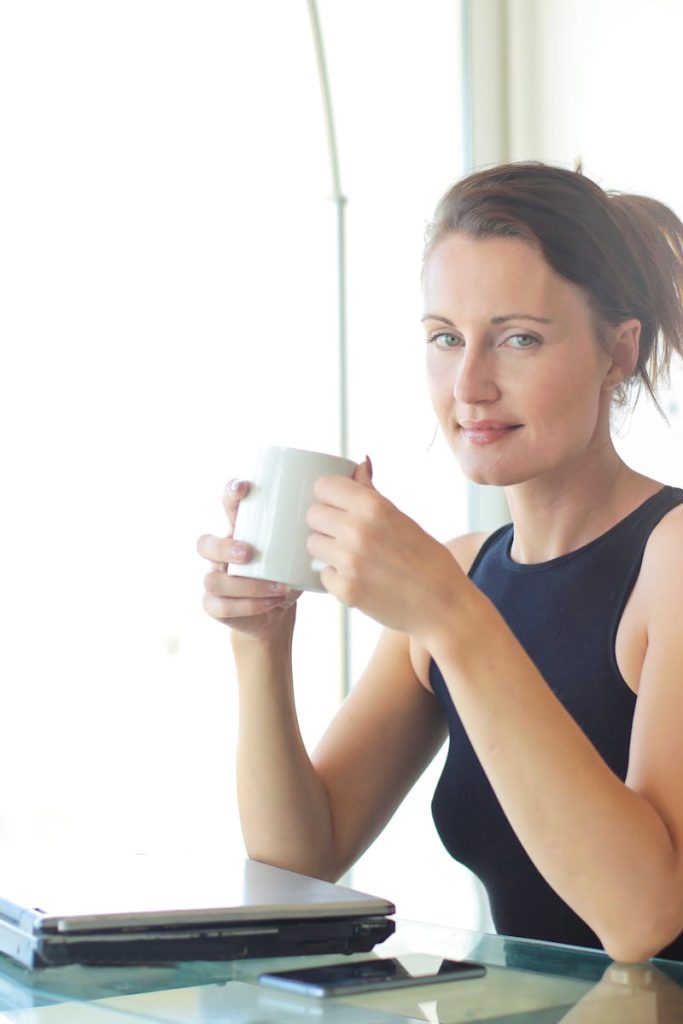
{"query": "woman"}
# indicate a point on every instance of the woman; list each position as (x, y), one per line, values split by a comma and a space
(551, 650)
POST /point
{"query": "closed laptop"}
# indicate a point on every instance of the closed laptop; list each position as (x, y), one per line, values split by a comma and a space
(144, 911)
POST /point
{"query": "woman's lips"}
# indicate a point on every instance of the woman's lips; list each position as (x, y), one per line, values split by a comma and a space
(486, 431)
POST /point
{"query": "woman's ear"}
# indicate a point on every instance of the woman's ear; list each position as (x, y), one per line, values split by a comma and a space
(624, 352)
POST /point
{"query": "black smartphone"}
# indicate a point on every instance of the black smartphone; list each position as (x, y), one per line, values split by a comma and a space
(353, 976)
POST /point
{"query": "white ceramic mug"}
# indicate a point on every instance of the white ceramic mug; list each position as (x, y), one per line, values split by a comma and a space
(272, 517)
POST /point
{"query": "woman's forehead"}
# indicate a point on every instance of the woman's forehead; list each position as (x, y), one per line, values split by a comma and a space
(463, 272)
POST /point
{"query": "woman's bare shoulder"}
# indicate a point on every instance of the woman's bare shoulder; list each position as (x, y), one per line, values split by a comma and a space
(670, 525)
(663, 556)
(654, 604)
(467, 546)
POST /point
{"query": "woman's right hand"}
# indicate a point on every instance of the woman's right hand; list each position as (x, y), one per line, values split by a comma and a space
(254, 607)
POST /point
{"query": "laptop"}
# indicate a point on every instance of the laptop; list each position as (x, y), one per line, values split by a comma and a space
(147, 911)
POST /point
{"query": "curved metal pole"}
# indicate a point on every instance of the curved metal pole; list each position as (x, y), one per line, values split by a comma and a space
(339, 200)
(326, 98)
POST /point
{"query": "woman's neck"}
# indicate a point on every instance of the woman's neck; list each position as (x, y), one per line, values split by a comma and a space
(560, 512)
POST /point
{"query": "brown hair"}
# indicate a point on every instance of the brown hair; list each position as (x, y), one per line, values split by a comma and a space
(624, 251)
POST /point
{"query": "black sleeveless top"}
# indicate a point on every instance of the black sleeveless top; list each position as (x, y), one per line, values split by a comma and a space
(565, 613)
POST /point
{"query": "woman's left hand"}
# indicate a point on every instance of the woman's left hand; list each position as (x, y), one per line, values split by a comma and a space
(378, 559)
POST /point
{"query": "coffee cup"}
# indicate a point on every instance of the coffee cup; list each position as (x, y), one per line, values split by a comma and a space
(272, 516)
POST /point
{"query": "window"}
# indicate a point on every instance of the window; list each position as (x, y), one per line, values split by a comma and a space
(168, 262)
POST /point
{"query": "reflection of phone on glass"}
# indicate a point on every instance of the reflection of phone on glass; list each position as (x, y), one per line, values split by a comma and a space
(370, 975)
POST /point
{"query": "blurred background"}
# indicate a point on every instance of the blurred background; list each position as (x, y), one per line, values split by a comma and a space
(170, 260)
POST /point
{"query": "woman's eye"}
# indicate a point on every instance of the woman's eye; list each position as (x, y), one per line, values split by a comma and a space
(445, 340)
(521, 341)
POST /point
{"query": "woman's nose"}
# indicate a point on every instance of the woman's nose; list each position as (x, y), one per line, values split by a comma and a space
(474, 380)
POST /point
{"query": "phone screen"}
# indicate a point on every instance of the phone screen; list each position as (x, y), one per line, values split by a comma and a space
(371, 975)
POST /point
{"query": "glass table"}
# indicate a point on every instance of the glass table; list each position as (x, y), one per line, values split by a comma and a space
(526, 983)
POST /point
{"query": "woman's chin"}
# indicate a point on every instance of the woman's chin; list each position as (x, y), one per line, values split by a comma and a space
(498, 476)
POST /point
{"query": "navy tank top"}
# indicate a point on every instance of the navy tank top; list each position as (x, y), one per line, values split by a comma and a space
(565, 613)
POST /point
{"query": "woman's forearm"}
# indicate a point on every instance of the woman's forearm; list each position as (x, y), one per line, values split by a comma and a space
(602, 847)
(284, 809)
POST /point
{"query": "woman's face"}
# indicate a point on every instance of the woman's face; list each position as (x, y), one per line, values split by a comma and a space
(516, 372)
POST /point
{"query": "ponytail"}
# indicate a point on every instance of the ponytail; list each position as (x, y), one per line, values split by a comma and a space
(653, 234)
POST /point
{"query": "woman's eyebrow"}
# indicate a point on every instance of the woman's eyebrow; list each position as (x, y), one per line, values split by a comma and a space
(441, 319)
(520, 316)
(494, 320)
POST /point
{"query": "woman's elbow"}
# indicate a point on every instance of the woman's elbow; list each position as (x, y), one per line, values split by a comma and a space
(628, 950)
(640, 940)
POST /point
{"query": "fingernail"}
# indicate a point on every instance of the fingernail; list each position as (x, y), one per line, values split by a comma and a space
(234, 485)
(368, 463)
(279, 588)
(239, 550)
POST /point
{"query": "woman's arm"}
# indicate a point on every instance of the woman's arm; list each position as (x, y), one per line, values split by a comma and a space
(603, 845)
(612, 851)
(317, 815)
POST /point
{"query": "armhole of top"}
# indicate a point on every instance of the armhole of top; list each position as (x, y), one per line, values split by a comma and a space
(483, 548)
(627, 590)
(492, 537)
